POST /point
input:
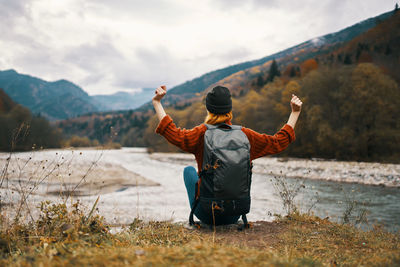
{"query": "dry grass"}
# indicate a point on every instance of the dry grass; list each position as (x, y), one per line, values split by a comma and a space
(68, 237)
(339, 244)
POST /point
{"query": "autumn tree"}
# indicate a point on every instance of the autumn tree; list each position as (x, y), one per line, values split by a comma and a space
(21, 131)
(350, 113)
(308, 65)
(291, 71)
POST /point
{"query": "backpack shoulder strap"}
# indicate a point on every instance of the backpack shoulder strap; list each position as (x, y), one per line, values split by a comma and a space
(236, 127)
(211, 126)
(223, 125)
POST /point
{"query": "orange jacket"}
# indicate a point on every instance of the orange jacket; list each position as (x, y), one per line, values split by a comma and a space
(192, 140)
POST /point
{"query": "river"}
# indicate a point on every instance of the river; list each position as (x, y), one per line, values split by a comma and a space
(132, 183)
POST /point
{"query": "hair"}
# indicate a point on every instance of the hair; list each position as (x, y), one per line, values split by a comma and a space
(212, 118)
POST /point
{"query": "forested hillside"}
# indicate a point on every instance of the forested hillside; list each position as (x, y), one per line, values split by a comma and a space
(125, 127)
(20, 130)
(191, 91)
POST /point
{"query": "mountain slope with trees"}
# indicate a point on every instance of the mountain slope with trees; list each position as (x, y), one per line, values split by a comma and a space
(350, 106)
(190, 90)
(62, 99)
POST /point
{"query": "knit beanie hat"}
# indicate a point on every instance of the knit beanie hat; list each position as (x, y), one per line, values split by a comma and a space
(219, 101)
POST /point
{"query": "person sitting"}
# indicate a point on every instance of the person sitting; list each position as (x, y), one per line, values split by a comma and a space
(219, 111)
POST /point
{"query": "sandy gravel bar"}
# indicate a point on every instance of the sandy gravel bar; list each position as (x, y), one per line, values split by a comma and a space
(67, 172)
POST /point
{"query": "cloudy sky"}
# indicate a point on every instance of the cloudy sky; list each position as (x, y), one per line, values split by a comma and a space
(121, 45)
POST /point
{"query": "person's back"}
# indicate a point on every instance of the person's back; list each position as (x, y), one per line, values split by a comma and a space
(206, 144)
(224, 182)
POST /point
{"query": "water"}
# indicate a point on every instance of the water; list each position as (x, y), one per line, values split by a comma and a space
(168, 200)
(329, 199)
(381, 203)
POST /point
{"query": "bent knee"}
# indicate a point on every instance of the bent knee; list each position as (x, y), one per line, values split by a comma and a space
(189, 173)
(189, 170)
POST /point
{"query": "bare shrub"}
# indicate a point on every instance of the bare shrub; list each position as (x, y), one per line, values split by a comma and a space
(355, 212)
(287, 192)
(22, 176)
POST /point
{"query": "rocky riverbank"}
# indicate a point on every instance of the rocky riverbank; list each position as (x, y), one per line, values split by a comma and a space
(316, 169)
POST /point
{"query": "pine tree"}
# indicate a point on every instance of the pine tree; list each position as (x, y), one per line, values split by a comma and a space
(273, 71)
(292, 72)
(347, 59)
(260, 81)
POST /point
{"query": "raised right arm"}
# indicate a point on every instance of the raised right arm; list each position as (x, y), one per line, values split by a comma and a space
(187, 140)
(160, 93)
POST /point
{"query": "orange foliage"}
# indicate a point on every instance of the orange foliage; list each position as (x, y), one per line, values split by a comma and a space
(308, 65)
(267, 64)
(255, 70)
(291, 70)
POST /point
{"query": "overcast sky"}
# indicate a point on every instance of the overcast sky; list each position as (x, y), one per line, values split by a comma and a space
(121, 45)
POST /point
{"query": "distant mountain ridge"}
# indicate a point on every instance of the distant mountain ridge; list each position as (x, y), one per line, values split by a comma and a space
(53, 100)
(123, 100)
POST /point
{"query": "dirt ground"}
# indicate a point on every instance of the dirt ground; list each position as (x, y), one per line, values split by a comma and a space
(262, 234)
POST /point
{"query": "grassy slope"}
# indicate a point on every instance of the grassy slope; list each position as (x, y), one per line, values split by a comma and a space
(299, 240)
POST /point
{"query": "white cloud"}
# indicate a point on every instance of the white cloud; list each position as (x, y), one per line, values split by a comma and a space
(106, 46)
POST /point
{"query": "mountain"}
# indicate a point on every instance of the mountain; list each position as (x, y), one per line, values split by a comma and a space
(351, 95)
(53, 100)
(63, 99)
(379, 45)
(309, 49)
(123, 100)
(376, 39)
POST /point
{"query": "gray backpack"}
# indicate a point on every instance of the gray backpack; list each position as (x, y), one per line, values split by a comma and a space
(224, 182)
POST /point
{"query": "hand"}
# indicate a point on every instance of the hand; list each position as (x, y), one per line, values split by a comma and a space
(160, 93)
(295, 104)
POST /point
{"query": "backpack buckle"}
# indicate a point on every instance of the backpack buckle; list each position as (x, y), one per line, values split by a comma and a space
(216, 165)
(214, 206)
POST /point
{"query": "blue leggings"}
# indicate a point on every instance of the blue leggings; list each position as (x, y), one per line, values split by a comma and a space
(190, 178)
